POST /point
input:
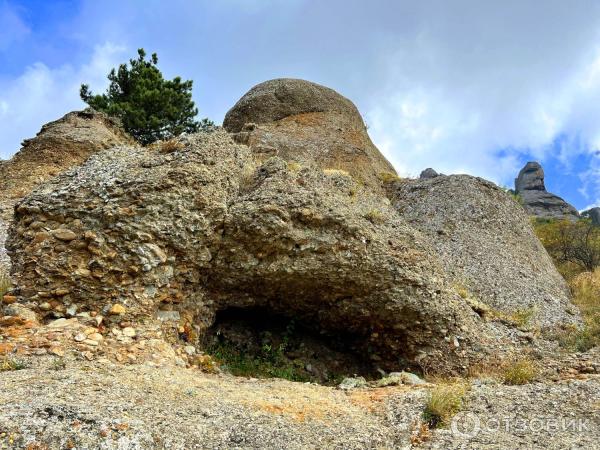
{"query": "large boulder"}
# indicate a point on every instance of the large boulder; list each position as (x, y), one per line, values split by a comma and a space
(487, 246)
(306, 123)
(160, 240)
(537, 201)
(207, 227)
(58, 146)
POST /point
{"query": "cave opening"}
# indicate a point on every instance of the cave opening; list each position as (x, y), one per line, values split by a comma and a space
(257, 342)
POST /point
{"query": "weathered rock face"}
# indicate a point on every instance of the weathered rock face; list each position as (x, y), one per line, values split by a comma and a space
(486, 244)
(195, 231)
(307, 123)
(58, 146)
(165, 237)
(536, 200)
(428, 173)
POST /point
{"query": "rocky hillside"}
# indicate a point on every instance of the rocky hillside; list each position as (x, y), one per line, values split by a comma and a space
(129, 268)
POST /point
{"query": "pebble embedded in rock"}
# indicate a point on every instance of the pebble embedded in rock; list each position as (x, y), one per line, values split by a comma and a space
(64, 234)
(117, 309)
(129, 332)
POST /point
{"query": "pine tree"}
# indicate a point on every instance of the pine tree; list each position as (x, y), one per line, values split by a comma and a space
(150, 107)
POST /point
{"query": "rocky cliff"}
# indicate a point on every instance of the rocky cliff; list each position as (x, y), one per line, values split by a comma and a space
(170, 235)
(538, 202)
(123, 265)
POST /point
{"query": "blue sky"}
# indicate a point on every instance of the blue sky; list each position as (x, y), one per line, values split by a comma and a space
(465, 86)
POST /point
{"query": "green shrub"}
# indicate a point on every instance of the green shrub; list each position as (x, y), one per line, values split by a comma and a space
(9, 363)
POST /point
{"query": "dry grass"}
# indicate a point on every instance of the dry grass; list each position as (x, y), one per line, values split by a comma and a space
(444, 401)
(388, 177)
(585, 288)
(336, 172)
(294, 166)
(5, 284)
(516, 371)
(519, 371)
(10, 363)
(522, 317)
(375, 216)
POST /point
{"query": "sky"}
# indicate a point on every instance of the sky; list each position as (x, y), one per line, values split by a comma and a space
(467, 86)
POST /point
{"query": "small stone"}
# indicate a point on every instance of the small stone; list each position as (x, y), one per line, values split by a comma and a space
(91, 342)
(129, 332)
(60, 292)
(72, 310)
(190, 349)
(45, 306)
(96, 337)
(80, 337)
(64, 234)
(117, 309)
(62, 322)
(9, 299)
(352, 383)
(58, 351)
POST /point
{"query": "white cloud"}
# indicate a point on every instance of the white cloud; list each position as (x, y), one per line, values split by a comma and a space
(41, 94)
(470, 80)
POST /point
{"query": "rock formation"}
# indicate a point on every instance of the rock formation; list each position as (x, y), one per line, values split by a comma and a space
(486, 245)
(58, 146)
(428, 173)
(593, 214)
(193, 231)
(538, 202)
(295, 221)
(307, 123)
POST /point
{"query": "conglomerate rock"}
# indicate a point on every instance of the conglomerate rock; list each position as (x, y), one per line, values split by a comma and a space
(204, 228)
(295, 222)
(308, 123)
(59, 145)
(486, 244)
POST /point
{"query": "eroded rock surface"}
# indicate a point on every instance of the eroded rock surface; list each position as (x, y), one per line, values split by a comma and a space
(486, 245)
(536, 200)
(58, 146)
(196, 232)
(307, 123)
(165, 237)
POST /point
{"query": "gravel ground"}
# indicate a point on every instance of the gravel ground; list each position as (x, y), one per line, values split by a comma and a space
(139, 407)
(101, 405)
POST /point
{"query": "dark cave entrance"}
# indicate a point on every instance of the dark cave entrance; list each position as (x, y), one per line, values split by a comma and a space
(256, 342)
